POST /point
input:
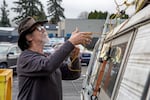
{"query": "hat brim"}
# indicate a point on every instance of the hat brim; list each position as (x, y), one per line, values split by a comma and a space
(40, 22)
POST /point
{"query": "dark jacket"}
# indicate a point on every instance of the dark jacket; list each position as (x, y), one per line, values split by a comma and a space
(40, 76)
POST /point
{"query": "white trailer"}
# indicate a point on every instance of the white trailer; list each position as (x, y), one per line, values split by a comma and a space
(127, 71)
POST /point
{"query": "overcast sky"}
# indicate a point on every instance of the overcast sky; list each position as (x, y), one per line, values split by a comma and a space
(74, 7)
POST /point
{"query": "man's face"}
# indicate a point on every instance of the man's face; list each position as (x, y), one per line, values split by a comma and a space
(40, 35)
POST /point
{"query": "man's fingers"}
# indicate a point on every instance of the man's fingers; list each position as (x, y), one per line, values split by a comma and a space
(77, 30)
(86, 33)
(87, 36)
(86, 41)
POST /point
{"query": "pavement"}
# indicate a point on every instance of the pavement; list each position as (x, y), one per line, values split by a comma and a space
(71, 89)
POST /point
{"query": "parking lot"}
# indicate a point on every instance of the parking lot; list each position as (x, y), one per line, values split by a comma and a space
(71, 89)
(9, 54)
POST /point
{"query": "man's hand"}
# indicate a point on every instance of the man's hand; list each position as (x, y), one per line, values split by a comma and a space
(80, 37)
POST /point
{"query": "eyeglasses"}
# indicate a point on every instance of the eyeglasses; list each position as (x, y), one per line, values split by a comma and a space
(40, 28)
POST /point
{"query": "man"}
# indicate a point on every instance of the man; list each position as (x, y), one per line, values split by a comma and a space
(40, 75)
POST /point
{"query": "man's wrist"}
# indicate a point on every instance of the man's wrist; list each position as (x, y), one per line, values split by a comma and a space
(71, 41)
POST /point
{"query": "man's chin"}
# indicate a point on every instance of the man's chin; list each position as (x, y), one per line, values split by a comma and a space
(45, 43)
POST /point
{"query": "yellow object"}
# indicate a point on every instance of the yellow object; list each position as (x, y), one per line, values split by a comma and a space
(139, 4)
(6, 84)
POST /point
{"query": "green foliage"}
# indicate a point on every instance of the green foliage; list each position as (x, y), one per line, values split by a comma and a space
(97, 15)
(26, 8)
(53, 20)
(55, 11)
(103, 15)
(122, 16)
(4, 22)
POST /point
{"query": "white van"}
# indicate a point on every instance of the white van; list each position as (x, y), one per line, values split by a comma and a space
(126, 53)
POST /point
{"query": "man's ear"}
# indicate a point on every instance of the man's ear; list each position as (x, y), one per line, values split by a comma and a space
(29, 37)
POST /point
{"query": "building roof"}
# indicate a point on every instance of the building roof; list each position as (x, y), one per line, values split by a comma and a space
(8, 31)
(7, 28)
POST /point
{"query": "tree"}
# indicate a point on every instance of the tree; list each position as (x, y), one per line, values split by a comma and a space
(4, 18)
(97, 15)
(55, 11)
(83, 15)
(26, 8)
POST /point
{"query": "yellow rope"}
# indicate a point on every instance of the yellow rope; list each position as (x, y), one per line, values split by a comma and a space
(74, 70)
(138, 7)
(118, 14)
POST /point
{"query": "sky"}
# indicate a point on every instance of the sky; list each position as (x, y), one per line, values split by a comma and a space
(74, 7)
